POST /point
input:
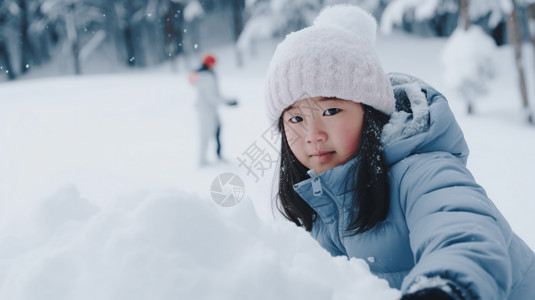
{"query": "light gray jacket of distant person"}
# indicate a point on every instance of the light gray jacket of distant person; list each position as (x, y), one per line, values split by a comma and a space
(208, 100)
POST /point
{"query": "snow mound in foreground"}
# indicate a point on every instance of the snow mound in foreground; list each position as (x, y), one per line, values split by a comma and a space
(169, 245)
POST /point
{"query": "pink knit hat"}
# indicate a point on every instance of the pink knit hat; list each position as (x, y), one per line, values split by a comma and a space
(335, 57)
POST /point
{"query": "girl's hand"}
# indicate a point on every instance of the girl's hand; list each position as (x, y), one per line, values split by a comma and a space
(233, 102)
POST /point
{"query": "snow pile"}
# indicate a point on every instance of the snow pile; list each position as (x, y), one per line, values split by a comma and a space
(468, 61)
(169, 245)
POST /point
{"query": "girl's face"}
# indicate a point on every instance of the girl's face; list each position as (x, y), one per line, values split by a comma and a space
(323, 132)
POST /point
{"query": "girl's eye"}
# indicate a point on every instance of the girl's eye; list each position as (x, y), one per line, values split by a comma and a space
(296, 119)
(331, 111)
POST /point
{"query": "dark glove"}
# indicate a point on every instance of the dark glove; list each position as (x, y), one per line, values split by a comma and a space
(431, 294)
(440, 289)
(233, 102)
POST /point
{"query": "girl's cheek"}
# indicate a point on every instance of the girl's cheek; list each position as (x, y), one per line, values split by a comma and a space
(294, 134)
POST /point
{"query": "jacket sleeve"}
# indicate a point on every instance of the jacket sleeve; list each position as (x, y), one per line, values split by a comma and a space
(456, 232)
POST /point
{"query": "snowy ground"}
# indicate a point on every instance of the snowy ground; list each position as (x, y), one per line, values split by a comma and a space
(101, 196)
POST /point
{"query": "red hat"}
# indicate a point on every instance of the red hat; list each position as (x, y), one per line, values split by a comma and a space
(208, 59)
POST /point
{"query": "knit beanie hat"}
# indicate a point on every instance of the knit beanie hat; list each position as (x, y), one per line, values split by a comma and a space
(335, 57)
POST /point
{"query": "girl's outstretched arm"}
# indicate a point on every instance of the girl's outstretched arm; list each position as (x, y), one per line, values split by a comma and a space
(456, 232)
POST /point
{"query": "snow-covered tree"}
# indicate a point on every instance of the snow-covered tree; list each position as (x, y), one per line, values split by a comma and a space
(405, 13)
(275, 18)
(468, 58)
(400, 13)
(72, 18)
(468, 62)
(373, 6)
(475, 62)
(158, 30)
(141, 32)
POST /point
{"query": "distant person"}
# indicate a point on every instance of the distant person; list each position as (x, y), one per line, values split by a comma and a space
(208, 100)
(373, 165)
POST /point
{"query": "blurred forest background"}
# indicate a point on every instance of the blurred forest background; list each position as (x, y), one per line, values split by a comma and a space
(124, 34)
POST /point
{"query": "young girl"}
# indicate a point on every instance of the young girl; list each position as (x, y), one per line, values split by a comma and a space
(374, 167)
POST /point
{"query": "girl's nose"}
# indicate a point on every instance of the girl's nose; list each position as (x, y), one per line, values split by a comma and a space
(315, 131)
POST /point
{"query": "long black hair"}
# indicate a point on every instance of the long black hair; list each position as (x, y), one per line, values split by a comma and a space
(372, 197)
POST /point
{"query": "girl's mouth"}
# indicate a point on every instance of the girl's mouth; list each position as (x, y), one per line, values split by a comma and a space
(324, 157)
(322, 153)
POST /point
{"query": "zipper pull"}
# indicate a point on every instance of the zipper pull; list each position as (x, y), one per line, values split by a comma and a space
(316, 183)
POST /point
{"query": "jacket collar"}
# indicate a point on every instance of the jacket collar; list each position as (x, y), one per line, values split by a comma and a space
(325, 192)
(423, 122)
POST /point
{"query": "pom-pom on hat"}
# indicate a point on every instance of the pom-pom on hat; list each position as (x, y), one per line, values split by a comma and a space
(335, 57)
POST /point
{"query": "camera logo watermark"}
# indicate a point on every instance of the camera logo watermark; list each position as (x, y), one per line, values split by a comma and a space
(227, 189)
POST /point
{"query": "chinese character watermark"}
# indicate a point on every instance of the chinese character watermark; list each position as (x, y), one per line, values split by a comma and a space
(258, 158)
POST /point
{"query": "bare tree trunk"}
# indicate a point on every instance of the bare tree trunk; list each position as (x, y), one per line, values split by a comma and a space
(25, 47)
(515, 38)
(464, 23)
(531, 28)
(181, 26)
(132, 33)
(531, 23)
(464, 18)
(4, 55)
(174, 26)
(170, 35)
(129, 44)
(72, 36)
(237, 6)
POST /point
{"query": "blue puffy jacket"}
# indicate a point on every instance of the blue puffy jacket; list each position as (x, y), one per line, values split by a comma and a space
(440, 221)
